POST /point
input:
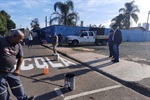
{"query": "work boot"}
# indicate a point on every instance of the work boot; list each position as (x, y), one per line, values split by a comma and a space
(31, 98)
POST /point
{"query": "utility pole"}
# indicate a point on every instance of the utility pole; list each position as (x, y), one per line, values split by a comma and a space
(147, 26)
(46, 21)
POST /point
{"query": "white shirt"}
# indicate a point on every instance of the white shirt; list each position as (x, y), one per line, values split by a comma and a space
(30, 37)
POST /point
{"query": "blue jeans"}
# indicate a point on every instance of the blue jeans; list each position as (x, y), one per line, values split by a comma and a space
(116, 51)
(15, 85)
(111, 50)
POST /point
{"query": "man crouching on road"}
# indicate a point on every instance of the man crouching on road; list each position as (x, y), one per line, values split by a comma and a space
(10, 51)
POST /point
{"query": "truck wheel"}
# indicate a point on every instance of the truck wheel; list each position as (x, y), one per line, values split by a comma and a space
(75, 43)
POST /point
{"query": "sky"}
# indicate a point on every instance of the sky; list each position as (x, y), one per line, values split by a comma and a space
(94, 12)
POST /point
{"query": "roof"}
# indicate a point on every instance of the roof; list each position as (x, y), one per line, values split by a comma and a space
(135, 28)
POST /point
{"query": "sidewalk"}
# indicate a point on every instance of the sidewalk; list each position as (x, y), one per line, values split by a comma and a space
(131, 74)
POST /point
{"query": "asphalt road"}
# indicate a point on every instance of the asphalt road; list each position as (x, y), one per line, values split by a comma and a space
(89, 85)
(132, 51)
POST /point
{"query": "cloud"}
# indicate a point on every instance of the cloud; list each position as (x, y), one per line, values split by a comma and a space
(34, 3)
(47, 10)
(90, 11)
(29, 4)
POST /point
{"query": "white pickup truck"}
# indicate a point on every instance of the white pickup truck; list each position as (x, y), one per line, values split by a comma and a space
(86, 37)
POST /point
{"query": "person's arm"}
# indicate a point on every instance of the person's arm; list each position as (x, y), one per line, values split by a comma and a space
(19, 57)
(19, 62)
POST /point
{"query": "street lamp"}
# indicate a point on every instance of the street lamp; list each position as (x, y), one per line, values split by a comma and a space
(147, 26)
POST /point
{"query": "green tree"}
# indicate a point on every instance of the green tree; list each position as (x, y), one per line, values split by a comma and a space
(10, 23)
(119, 20)
(127, 14)
(3, 25)
(35, 24)
(64, 13)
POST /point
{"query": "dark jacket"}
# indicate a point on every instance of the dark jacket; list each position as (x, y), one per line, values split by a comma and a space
(110, 41)
(117, 37)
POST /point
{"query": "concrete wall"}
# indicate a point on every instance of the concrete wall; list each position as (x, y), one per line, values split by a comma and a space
(133, 35)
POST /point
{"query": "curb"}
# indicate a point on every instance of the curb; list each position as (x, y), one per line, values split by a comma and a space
(133, 85)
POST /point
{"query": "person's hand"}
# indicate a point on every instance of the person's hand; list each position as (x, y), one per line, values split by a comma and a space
(16, 72)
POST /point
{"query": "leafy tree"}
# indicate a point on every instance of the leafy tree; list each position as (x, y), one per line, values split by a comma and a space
(119, 21)
(10, 24)
(6, 23)
(64, 13)
(100, 26)
(127, 15)
(35, 24)
(2, 25)
(5, 14)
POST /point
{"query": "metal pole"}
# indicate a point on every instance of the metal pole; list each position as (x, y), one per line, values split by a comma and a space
(46, 21)
(147, 26)
(50, 20)
(147, 21)
(28, 77)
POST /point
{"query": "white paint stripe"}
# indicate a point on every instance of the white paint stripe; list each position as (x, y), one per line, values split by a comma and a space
(63, 62)
(91, 92)
(53, 64)
(3, 92)
(66, 62)
(16, 86)
(58, 91)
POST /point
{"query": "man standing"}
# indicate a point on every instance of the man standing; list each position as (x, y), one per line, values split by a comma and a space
(117, 39)
(30, 38)
(60, 38)
(110, 44)
(55, 43)
(10, 51)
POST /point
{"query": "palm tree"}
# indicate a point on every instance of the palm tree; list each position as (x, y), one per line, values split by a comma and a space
(100, 26)
(64, 13)
(119, 20)
(129, 12)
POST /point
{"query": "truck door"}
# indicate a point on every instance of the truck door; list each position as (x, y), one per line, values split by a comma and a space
(83, 37)
(91, 37)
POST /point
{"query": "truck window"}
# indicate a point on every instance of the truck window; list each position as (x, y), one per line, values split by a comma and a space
(91, 34)
(83, 34)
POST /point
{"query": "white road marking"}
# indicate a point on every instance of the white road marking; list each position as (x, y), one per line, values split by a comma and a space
(91, 92)
(58, 91)
(53, 64)
(66, 62)
(38, 65)
(29, 67)
(32, 62)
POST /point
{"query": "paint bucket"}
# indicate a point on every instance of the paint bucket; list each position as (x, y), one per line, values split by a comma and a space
(69, 81)
(56, 57)
(46, 70)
